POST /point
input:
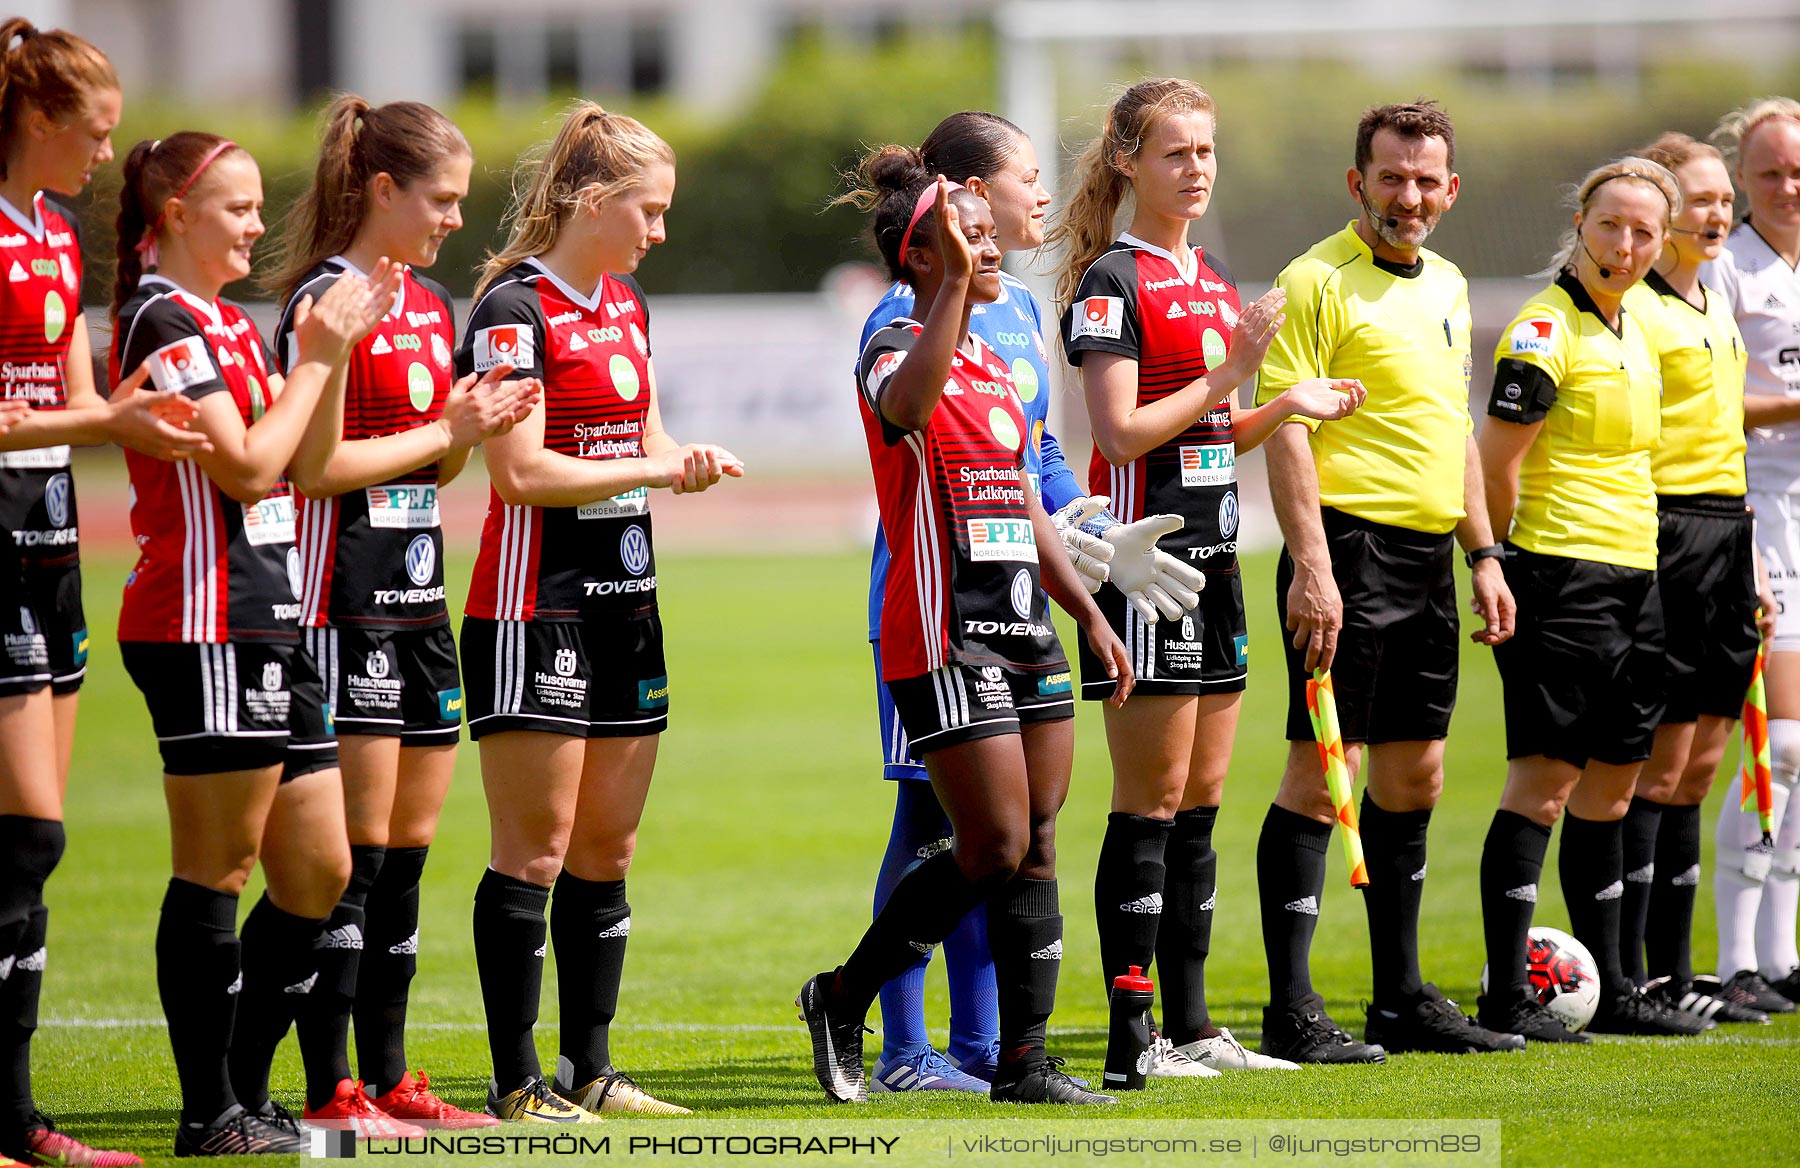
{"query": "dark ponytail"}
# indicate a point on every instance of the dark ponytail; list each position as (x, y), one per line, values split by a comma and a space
(889, 182)
(405, 140)
(154, 172)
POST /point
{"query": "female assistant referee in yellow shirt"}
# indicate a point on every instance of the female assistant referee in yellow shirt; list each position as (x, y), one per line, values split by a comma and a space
(1566, 453)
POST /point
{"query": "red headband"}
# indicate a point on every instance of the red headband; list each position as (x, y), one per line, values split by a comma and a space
(927, 197)
(147, 245)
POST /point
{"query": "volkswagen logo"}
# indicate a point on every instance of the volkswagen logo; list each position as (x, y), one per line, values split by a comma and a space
(1228, 515)
(634, 550)
(295, 578)
(56, 499)
(421, 558)
(1021, 594)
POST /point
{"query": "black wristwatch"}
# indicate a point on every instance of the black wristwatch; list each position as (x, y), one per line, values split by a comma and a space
(1491, 552)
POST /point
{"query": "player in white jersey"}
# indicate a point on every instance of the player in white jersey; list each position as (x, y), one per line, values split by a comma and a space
(1756, 888)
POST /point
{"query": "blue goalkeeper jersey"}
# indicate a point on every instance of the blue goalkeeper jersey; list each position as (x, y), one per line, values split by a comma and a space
(1013, 327)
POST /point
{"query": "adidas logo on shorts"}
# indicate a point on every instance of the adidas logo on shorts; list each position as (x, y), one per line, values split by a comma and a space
(1687, 879)
(1050, 952)
(933, 848)
(1145, 905)
(406, 947)
(237, 984)
(1306, 904)
(33, 962)
(1210, 901)
(1612, 891)
(1642, 875)
(922, 947)
(1420, 874)
(302, 987)
(1524, 892)
(619, 928)
(541, 949)
(343, 937)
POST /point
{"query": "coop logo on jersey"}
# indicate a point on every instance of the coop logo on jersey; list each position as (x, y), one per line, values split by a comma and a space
(1534, 337)
(181, 364)
(1097, 316)
(624, 376)
(565, 663)
(505, 344)
(1004, 428)
(1212, 347)
(1002, 539)
(1021, 593)
(440, 350)
(1208, 466)
(271, 677)
(1203, 307)
(56, 499)
(1228, 515)
(421, 559)
(420, 389)
(639, 341)
(634, 550)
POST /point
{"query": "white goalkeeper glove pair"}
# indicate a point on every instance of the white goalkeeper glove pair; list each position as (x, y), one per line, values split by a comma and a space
(1101, 548)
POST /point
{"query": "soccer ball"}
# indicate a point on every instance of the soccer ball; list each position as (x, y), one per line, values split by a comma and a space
(1563, 976)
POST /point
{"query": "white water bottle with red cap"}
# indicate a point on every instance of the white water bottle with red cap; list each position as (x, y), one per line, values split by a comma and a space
(1128, 1043)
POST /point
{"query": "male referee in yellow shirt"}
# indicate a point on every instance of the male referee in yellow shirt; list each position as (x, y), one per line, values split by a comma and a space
(1369, 507)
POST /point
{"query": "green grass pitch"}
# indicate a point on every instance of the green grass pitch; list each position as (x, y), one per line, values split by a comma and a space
(754, 870)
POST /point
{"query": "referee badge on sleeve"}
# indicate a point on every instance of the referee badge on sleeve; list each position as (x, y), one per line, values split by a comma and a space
(1535, 337)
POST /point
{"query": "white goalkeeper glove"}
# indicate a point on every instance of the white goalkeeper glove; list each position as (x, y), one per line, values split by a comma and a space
(1153, 581)
(1080, 522)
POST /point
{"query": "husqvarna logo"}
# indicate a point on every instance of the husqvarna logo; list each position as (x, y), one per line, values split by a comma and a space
(634, 550)
(421, 559)
(565, 662)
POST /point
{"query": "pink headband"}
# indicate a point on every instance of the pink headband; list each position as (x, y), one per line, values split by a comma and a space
(927, 197)
(147, 245)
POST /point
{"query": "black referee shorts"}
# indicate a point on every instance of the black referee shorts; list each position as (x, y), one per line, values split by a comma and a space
(1706, 571)
(1582, 676)
(1394, 673)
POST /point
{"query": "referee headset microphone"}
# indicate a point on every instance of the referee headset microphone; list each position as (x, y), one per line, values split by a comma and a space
(1362, 194)
(1605, 272)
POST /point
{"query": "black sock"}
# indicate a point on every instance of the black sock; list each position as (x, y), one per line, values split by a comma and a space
(1184, 937)
(324, 1021)
(30, 849)
(1642, 824)
(1512, 860)
(1394, 845)
(1668, 938)
(280, 968)
(198, 978)
(1591, 862)
(1290, 877)
(1025, 929)
(927, 903)
(19, 994)
(390, 957)
(509, 957)
(589, 924)
(1128, 891)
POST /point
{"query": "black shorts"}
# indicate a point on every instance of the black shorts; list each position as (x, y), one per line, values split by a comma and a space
(1206, 651)
(392, 683)
(233, 707)
(1582, 676)
(1706, 571)
(602, 677)
(43, 632)
(1394, 673)
(960, 703)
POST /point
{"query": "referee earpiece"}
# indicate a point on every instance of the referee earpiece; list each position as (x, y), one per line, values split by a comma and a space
(1606, 273)
(1362, 195)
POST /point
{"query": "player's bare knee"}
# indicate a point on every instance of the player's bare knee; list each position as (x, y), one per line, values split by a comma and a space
(992, 856)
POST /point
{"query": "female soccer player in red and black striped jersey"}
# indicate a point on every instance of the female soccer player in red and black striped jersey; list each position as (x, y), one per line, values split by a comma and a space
(562, 645)
(967, 648)
(1147, 321)
(208, 630)
(390, 182)
(59, 102)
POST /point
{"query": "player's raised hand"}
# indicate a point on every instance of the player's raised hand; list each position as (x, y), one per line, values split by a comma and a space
(958, 256)
(1255, 332)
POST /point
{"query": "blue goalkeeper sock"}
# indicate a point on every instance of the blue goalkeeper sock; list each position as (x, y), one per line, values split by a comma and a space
(919, 828)
(974, 1000)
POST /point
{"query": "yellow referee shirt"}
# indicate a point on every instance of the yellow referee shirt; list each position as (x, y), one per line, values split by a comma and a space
(1584, 487)
(1701, 451)
(1404, 332)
